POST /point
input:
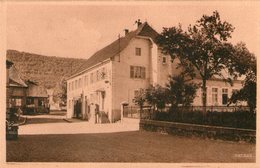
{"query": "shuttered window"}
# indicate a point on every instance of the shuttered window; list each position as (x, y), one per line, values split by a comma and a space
(137, 72)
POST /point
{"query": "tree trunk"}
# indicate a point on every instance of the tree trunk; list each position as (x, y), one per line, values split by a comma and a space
(204, 96)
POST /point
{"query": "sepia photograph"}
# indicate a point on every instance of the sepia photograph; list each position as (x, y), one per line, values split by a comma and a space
(130, 82)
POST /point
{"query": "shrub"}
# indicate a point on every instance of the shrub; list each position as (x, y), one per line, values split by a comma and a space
(239, 119)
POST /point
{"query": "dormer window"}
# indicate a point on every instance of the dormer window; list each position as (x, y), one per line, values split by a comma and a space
(138, 51)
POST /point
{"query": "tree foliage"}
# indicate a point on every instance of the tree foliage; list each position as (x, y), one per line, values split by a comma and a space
(203, 49)
(156, 96)
(244, 64)
(60, 92)
(181, 91)
(140, 98)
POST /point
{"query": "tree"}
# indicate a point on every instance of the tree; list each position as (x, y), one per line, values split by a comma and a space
(140, 98)
(202, 50)
(180, 90)
(244, 63)
(156, 97)
(60, 92)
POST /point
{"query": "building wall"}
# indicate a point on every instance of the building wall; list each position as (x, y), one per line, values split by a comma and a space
(90, 91)
(123, 86)
(215, 84)
(156, 72)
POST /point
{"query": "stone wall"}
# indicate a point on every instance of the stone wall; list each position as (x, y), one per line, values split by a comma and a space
(210, 132)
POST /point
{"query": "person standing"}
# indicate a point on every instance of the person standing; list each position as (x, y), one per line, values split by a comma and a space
(92, 113)
(97, 115)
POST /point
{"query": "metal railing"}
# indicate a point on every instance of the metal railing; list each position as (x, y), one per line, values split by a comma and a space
(148, 111)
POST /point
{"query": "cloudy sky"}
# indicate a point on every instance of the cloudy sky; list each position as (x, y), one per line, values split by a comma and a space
(80, 29)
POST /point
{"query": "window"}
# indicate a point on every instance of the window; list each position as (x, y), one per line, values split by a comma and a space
(69, 104)
(137, 72)
(234, 90)
(98, 75)
(103, 73)
(214, 96)
(76, 84)
(72, 85)
(136, 94)
(164, 60)
(91, 78)
(85, 80)
(68, 86)
(79, 82)
(40, 102)
(224, 96)
(138, 51)
(18, 102)
(29, 101)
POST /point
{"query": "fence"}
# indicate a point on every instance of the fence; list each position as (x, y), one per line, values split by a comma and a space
(232, 116)
(148, 111)
(135, 112)
(209, 108)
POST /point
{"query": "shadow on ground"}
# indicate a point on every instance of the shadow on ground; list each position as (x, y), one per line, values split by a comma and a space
(44, 120)
(135, 146)
(58, 113)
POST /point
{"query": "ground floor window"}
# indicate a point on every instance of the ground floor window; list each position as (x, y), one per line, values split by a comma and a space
(224, 96)
(15, 102)
(214, 96)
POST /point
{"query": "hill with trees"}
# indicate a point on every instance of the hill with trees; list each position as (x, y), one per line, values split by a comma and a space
(48, 71)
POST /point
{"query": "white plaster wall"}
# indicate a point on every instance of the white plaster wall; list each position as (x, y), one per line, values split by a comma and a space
(215, 84)
(123, 86)
(90, 90)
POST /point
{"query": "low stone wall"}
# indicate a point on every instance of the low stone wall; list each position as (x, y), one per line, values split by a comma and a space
(210, 132)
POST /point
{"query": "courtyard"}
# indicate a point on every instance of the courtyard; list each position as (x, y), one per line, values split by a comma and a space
(49, 138)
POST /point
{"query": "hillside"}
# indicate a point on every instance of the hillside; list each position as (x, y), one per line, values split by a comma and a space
(45, 70)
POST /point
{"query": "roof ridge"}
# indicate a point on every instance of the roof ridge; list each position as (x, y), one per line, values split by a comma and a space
(115, 47)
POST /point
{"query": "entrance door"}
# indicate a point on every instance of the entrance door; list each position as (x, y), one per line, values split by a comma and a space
(85, 116)
(77, 109)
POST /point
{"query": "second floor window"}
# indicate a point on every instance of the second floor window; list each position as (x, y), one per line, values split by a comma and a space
(76, 84)
(138, 51)
(79, 82)
(91, 78)
(137, 72)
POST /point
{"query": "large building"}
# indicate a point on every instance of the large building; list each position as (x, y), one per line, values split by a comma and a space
(114, 74)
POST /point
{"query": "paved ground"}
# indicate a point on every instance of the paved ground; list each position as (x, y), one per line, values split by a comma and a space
(96, 144)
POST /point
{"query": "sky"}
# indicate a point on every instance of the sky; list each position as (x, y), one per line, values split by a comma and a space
(80, 29)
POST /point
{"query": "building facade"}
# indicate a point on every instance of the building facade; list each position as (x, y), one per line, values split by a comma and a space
(114, 74)
(25, 95)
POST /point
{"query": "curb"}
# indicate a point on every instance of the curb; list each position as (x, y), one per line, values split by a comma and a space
(67, 120)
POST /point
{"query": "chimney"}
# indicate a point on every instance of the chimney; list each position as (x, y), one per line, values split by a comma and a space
(138, 22)
(126, 31)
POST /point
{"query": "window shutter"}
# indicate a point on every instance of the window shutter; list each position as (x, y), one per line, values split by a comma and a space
(131, 72)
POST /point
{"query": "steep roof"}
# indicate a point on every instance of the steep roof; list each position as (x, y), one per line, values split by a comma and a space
(15, 79)
(36, 90)
(117, 46)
